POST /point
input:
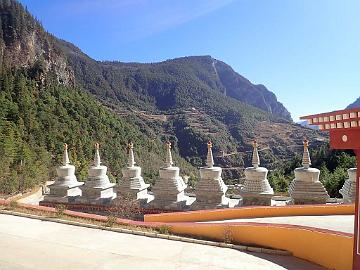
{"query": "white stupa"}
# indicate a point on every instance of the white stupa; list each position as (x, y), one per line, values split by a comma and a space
(66, 187)
(132, 184)
(306, 187)
(348, 191)
(169, 188)
(210, 190)
(97, 188)
(257, 190)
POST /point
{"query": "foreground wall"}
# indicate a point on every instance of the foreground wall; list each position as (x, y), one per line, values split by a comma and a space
(253, 212)
(330, 249)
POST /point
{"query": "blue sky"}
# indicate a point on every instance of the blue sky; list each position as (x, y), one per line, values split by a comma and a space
(306, 51)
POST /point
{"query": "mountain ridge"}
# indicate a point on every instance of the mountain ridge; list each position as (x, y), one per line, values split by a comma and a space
(355, 104)
(239, 88)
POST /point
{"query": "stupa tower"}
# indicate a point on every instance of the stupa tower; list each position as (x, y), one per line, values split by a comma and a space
(348, 191)
(97, 188)
(169, 188)
(306, 187)
(210, 190)
(132, 184)
(257, 190)
(66, 187)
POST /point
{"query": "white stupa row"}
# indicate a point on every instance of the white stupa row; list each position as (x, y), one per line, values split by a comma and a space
(169, 189)
(96, 190)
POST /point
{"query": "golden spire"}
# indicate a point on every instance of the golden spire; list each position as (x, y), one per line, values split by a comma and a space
(210, 158)
(168, 160)
(97, 161)
(255, 157)
(66, 160)
(130, 145)
(131, 160)
(306, 161)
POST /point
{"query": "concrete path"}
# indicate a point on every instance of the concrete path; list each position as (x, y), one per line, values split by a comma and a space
(342, 223)
(34, 244)
(34, 198)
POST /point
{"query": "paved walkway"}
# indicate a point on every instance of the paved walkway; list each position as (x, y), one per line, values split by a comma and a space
(34, 244)
(342, 223)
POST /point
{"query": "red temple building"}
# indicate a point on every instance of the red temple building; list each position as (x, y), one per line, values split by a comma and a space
(344, 129)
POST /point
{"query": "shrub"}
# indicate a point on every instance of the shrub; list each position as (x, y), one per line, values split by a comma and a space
(111, 221)
(13, 205)
(60, 209)
(127, 208)
(164, 229)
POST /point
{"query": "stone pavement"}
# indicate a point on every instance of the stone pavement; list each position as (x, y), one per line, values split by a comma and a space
(34, 244)
(341, 223)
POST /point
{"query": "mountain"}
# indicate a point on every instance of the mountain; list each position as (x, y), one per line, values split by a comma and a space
(51, 93)
(164, 83)
(356, 104)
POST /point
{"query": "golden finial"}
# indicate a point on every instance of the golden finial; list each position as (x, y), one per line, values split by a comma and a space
(130, 144)
(65, 146)
(255, 144)
(168, 144)
(209, 158)
(97, 146)
(306, 143)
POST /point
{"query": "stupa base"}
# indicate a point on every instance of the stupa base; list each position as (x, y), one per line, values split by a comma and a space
(183, 202)
(95, 201)
(263, 199)
(215, 203)
(59, 199)
(134, 194)
(63, 193)
(348, 191)
(97, 195)
(310, 200)
(142, 198)
(304, 192)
